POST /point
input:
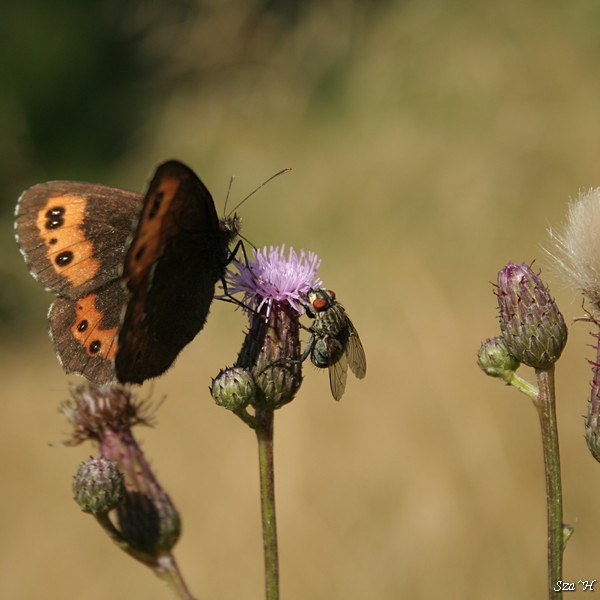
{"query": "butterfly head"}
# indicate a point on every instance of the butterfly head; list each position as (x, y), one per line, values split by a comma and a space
(231, 224)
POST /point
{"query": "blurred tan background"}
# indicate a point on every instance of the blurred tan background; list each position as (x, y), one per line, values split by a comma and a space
(430, 143)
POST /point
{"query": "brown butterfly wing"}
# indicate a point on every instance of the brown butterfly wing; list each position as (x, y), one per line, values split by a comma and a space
(177, 255)
(73, 235)
(85, 330)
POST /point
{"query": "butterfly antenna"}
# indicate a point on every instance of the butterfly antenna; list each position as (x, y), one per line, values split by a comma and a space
(282, 172)
(243, 237)
(228, 193)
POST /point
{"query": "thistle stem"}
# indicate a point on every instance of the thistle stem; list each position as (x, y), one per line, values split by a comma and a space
(546, 408)
(524, 386)
(168, 570)
(264, 436)
(163, 566)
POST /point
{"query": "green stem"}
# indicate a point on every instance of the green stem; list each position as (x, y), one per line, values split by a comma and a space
(163, 566)
(523, 386)
(546, 407)
(169, 572)
(264, 436)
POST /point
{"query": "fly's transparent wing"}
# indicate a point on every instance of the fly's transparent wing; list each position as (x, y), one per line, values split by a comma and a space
(338, 372)
(356, 353)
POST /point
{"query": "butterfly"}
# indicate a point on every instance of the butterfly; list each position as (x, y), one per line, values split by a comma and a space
(334, 341)
(134, 274)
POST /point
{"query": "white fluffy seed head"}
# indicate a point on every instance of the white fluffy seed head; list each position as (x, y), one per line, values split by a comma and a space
(577, 247)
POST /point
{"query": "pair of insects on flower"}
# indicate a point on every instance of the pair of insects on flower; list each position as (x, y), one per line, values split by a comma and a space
(135, 276)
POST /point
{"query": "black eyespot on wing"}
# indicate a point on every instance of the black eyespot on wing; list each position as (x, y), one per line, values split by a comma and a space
(64, 258)
(95, 347)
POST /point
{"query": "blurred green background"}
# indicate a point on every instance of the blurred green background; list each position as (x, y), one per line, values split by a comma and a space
(430, 142)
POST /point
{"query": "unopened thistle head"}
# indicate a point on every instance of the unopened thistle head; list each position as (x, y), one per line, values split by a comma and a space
(532, 326)
(98, 486)
(578, 247)
(495, 360)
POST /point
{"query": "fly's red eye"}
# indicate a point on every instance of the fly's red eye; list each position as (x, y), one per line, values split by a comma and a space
(331, 294)
(320, 304)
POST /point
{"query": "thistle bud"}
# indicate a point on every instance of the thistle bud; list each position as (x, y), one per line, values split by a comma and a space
(495, 360)
(98, 486)
(234, 389)
(532, 326)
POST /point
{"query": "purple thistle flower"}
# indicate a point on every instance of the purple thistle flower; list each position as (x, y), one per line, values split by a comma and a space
(268, 370)
(272, 277)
